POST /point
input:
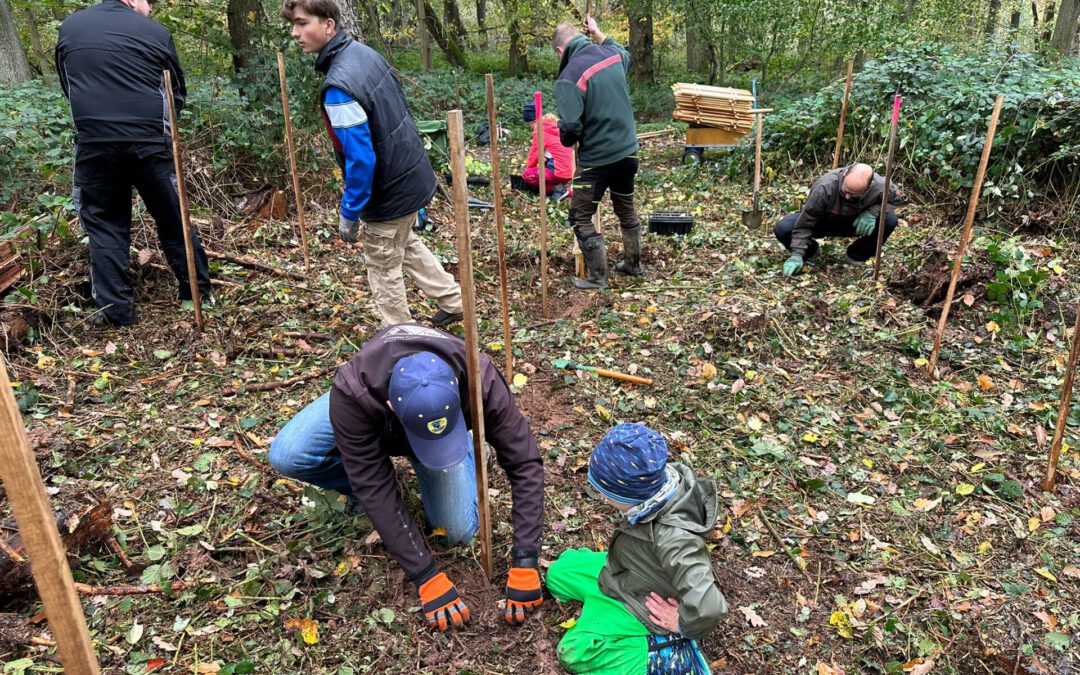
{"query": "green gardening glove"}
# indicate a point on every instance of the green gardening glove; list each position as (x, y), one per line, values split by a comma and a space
(865, 223)
(793, 265)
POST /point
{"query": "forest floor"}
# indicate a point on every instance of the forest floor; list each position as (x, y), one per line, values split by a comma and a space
(914, 506)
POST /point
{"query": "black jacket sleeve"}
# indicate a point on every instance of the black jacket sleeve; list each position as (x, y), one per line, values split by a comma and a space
(179, 85)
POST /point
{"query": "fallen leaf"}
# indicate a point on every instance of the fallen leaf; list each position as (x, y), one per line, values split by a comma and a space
(752, 617)
(929, 545)
(992, 327)
(520, 379)
(1045, 573)
(964, 489)
(927, 504)
(869, 585)
(985, 383)
(968, 299)
(205, 668)
(708, 371)
(843, 624)
(739, 507)
(919, 666)
(603, 412)
(1033, 523)
(763, 554)
(829, 669)
(569, 623)
(1047, 513)
(860, 498)
(309, 629)
(1049, 620)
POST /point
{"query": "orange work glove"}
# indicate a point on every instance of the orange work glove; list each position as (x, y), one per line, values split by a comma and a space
(442, 604)
(523, 592)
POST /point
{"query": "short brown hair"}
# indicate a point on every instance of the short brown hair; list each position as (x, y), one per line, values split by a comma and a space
(323, 9)
(564, 32)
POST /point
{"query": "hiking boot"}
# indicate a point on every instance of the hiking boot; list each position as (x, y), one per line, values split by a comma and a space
(595, 253)
(631, 262)
(444, 318)
(559, 193)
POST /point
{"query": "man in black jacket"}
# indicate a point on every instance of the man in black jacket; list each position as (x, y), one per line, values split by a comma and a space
(111, 59)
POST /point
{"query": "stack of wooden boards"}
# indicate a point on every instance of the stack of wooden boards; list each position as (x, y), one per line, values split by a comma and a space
(716, 107)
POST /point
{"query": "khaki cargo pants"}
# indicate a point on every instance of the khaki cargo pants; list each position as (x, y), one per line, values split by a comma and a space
(390, 246)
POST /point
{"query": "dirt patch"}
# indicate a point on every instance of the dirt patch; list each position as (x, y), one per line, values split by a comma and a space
(927, 286)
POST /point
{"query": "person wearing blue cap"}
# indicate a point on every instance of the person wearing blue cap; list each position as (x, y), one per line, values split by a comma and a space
(652, 595)
(404, 394)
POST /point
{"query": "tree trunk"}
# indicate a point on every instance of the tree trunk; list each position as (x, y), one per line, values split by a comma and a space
(697, 53)
(442, 38)
(1065, 31)
(481, 23)
(373, 30)
(421, 30)
(641, 43)
(14, 67)
(44, 63)
(349, 20)
(518, 62)
(1048, 22)
(243, 16)
(909, 9)
(1014, 21)
(992, 19)
(452, 22)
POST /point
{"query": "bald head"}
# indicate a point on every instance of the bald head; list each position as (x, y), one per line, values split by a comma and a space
(857, 179)
(564, 33)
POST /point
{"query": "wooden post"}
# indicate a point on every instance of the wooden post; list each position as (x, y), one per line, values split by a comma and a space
(1063, 408)
(472, 337)
(579, 255)
(496, 181)
(541, 162)
(37, 525)
(888, 185)
(843, 116)
(185, 219)
(757, 166)
(292, 162)
(422, 31)
(965, 235)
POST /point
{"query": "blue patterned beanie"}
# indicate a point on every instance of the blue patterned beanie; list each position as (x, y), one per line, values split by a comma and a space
(627, 465)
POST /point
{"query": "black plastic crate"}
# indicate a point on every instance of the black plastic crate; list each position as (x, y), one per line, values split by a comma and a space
(670, 223)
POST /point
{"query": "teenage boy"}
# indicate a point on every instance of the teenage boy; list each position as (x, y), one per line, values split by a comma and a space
(652, 595)
(388, 177)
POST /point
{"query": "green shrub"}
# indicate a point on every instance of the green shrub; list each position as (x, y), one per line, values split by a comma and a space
(948, 96)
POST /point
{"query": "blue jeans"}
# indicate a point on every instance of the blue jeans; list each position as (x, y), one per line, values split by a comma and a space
(304, 449)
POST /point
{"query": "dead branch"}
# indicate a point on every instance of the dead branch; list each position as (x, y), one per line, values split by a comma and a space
(245, 261)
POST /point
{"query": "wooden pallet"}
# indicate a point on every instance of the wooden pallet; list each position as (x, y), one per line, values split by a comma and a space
(716, 107)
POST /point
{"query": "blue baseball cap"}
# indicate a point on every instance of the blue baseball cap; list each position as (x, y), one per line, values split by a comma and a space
(424, 392)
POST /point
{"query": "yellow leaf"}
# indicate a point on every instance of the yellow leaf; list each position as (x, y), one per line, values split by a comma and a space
(1045, 573)
(984, 548)
(763, 554)
(309, 629)
(1033, 524)
(569, 623)
(921, 361)
(342, 569)
(810, 437)
(708, 371)
(985, 383)
(843, 624)
(603, 412)
(978, 467)
(927, 504)
(868, 463)
(964, 489)
(993, 327)
(520, 379)
(727, 526)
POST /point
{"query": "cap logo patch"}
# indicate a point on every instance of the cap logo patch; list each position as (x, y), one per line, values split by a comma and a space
(437, 426)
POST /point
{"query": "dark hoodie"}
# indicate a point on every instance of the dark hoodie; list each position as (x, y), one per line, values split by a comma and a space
(666, 553)
(827, 203)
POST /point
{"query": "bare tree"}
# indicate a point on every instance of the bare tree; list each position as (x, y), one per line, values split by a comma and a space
(243, 17)
(14, 67)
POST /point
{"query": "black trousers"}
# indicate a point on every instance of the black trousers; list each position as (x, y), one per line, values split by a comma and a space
(105, 173)
(862, 249)
(591, 183)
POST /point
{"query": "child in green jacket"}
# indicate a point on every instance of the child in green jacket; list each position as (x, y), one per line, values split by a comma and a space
(652, 595)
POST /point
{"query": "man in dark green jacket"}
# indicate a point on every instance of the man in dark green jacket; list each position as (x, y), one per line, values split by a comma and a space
(595, 113)
(652, 595)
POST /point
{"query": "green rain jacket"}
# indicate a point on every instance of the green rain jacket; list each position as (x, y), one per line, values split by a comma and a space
(666, 553)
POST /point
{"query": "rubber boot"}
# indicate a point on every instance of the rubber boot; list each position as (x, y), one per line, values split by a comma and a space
(595, 262)
(631, 251)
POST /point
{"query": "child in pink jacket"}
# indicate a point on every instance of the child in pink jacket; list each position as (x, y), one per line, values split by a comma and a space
(559, 159)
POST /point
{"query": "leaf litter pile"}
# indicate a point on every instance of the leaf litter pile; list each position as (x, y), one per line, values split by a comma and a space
(872, 520)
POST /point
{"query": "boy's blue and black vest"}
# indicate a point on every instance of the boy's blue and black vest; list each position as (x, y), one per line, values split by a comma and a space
(404, 181)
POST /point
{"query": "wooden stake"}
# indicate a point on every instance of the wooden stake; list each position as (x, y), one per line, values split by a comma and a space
(37, 525)
(1063, 408)
(965, 234)
(292, 161)
(757, 166)
(185, 218)
(541, 162)
(456, 127)
(422, 31)
(843, 116)
(888, 185)
(500, 231)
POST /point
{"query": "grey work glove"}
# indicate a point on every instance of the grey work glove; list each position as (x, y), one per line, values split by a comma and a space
(793, 265)
(349, 230)
(865, 223)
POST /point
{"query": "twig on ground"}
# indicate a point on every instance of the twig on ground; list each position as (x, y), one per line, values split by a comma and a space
(245, 261)
(280, 384)
(797, 561)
